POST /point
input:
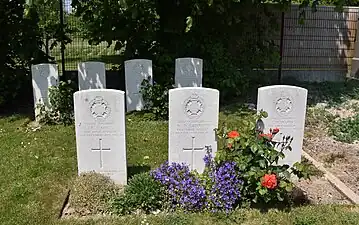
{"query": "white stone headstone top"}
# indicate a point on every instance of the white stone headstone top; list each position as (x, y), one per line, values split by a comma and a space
(136, 70)
(188, 72)
(100, 132)
(286, 108)
(91, 75)
(44, 76)
(193, 118)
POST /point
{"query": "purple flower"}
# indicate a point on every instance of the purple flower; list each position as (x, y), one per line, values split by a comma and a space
(183, 188)
(219, 192)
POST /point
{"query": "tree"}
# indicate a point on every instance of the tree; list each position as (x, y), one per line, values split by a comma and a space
(48, 12)
(20, 45)
(233, 37)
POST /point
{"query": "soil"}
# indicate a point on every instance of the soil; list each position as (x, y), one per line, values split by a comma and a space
(319, 191)
(341, 159)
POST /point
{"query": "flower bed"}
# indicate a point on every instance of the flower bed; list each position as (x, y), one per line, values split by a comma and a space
(244, 171)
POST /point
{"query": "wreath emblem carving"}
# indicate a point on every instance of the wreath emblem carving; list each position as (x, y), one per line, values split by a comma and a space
(194, 106)
(284, 105)
(99, 108)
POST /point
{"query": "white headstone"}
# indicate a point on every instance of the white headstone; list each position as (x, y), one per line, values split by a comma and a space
(100, 132)
(188, 72)
(136, 71)
(91, 75)
(43, 77)
(193, 116)
(286, 108)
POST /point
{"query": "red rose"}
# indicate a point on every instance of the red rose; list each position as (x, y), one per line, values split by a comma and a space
(275, 130)
(269, 181)
(233, 134)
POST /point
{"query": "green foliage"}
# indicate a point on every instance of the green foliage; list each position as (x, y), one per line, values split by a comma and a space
(318, 116)
(156, 98)
(48, 12)
(20, 45)
(61, 109)
(257, 155)
(231, 37)
(92, 193)
(142, 193)
(346, 129)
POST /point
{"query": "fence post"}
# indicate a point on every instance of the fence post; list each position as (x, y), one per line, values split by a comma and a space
(281, 49)
(62, 40)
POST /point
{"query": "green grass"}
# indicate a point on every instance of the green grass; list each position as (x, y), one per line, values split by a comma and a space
(37, 168)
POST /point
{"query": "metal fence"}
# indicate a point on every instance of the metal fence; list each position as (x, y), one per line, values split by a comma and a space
(324, 41)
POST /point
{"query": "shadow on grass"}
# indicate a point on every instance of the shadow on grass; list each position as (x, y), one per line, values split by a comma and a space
(135, 169)
(18, 111)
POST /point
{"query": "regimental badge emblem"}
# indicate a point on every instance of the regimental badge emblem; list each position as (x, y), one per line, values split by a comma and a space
(99, 108)
(194, 106)
(284, 104)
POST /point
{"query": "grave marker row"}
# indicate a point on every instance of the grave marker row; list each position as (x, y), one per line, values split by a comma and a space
(92, 75)
(193, 116)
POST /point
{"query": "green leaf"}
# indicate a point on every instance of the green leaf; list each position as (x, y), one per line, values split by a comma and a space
(263, 191)
(262, 163)
(189, 22)
(264, 114)
(286, 174)
(289, 188)
(282, 184)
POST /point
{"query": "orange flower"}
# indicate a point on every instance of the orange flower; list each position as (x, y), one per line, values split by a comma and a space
(269, 181)
(267, 136)
(233, 134)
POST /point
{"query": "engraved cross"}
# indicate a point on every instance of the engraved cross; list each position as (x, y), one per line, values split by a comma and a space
(193, 149)
(101, 150)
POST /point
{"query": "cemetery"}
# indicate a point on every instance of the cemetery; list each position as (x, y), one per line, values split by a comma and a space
(203, 158)
(189, 126)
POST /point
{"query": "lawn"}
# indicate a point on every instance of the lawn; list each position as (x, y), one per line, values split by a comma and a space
(38, 167)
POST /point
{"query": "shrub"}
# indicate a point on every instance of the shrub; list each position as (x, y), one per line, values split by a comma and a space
(156, 98)
(141, 193)
(257, 155)
(20, 46)
(61, 109)
(92, 194)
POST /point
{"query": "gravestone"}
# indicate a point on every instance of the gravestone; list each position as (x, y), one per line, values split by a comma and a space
(136, 71)
(188, 72)
(43, 77)
(193, 116)
(91, 75)
(286, 108)
(100, 132)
